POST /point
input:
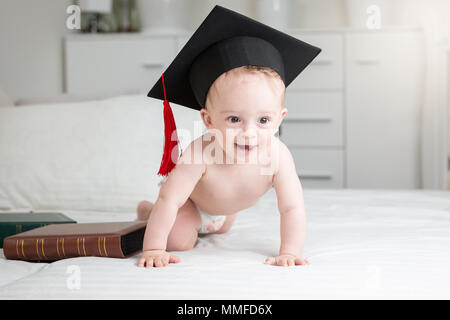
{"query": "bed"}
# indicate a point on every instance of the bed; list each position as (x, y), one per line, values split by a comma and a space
(96, 160)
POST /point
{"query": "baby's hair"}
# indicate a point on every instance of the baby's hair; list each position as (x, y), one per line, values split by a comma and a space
(255, 69)
(268, 70)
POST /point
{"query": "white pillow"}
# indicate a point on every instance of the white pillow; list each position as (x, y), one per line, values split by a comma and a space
(97, 155)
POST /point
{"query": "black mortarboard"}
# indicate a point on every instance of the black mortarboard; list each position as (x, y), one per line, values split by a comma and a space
(225, 40)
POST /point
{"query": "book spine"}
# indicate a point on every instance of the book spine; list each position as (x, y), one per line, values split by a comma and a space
(10, 229)
(57, 248)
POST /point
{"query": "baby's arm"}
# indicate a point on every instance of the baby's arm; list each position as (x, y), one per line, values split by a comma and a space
(172, 196)
(292, 212)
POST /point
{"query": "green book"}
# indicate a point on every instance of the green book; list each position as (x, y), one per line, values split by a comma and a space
(14, 223)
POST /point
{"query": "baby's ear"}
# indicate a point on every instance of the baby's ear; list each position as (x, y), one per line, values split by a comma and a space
(283, 113)
(206, 118)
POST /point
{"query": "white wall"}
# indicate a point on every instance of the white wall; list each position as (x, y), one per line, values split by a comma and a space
(448, 110)
(304, 13)
(31, 33)
(318, 14)
(199, 9)
(31, 57)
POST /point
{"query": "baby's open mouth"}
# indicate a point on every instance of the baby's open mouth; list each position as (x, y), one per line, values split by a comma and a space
(245, 147)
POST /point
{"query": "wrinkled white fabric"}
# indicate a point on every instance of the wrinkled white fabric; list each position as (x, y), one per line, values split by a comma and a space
(362, 244)
(100, 155)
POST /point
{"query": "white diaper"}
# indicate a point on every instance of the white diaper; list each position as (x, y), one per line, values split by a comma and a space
(210, 223)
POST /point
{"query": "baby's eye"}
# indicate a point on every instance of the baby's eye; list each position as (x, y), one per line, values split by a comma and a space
(263, 120)
(233, 119)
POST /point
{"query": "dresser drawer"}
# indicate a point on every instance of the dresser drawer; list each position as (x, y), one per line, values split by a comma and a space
(115, 64)
(313, 119)
(326, 70)
(319, 168)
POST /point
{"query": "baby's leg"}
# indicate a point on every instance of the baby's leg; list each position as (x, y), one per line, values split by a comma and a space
(143, 210)
(184, 232)
(227, 224)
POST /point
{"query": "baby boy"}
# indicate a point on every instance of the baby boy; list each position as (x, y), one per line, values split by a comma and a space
(239, 84)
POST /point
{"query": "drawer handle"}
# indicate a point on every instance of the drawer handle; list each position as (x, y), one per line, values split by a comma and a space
(322, 62)
(315, 175)
(368, 61)
(152, 65)
(310, 119)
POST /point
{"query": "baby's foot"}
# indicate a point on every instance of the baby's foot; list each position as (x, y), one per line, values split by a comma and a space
(144, 209)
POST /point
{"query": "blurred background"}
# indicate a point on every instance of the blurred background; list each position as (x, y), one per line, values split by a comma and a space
(372, 111)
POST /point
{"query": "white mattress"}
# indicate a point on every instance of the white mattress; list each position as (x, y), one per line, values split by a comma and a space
(362, 244)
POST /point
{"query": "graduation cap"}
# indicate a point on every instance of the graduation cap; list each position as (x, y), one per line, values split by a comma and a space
(225, 40)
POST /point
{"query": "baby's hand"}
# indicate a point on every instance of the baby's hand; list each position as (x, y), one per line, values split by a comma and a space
(158, 258)
(286, 260)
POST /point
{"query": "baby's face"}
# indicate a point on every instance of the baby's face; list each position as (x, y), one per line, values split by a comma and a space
(246, 110)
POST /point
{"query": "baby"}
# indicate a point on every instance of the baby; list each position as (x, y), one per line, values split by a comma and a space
(217, 175)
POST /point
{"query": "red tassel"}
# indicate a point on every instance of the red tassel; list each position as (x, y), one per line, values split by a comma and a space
(170, 145)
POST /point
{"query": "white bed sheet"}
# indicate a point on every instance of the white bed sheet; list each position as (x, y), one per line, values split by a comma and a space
(362, 244)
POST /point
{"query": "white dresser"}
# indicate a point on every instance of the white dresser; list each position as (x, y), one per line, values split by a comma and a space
(116, 62)
(353, 115)
(313, 128)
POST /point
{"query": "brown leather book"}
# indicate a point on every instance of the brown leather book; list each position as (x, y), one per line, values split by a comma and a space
(60, 241)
